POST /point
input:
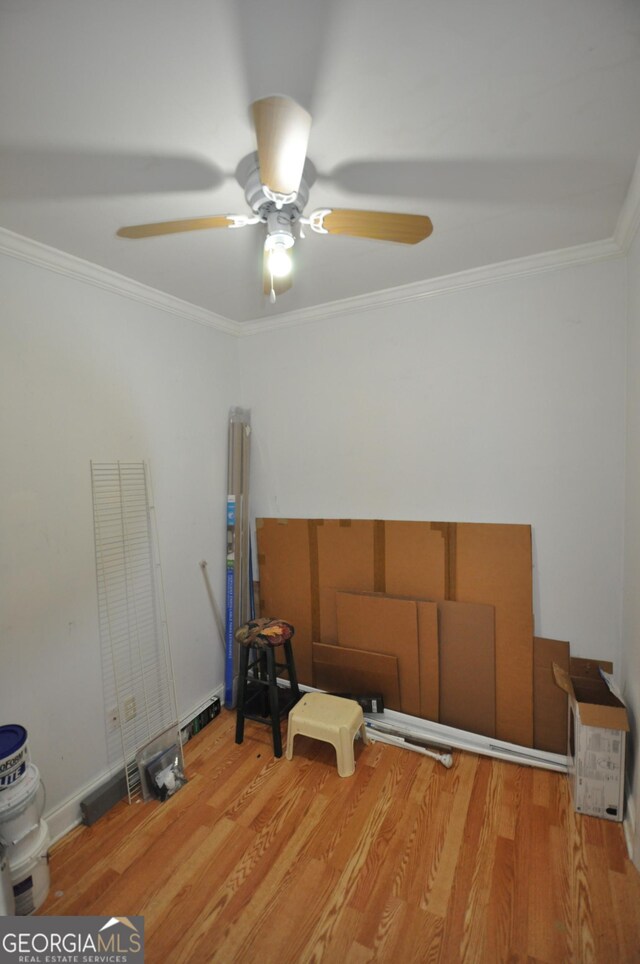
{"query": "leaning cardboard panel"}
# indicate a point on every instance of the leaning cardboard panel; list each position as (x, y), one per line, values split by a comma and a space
(415, 559)
(285, 583)
(340, 669)
(467, 667)
(468, 562)
(344, 554)
(492, 564)
(456, 655)
(428, 654)
(597, 729)
(429, 659)
(384, 624)
(549, 702)
(476, 563)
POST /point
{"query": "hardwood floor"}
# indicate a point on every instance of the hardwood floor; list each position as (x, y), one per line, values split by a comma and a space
(258, 859)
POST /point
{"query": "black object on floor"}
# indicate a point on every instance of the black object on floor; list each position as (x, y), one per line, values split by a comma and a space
(371, 703)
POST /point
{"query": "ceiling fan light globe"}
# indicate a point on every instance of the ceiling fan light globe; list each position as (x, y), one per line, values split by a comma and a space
(279, 261)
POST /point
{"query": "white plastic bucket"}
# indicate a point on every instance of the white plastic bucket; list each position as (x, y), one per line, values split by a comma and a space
(21, 807)
(14, 754)
(30, 874)
(7, 900)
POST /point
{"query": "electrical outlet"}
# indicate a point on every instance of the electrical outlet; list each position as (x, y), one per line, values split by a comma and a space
(129, 708)
(113, 719)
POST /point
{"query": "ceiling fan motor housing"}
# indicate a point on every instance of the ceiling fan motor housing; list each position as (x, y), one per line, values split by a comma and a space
(279, 229)
(259, 201)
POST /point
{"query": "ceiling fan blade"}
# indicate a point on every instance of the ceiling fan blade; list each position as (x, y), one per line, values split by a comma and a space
(282, 132)
(173, 227)
(381, 225)
(280, 285)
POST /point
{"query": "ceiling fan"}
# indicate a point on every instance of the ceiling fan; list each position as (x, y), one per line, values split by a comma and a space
(277, 192)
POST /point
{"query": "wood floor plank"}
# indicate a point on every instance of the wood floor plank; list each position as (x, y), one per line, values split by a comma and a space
(372, 893)
(424, 836)
(447, 850)
(349, 797)
(465, 918)
(487, 792)
(420, 939)
(381, 853)
(625, 892)
(244, 938)
(582, 933)
(361, 839)
(522, 851)
(285, 862)
(174, 890)
(385, 930)
(547, 934)
(500, 903)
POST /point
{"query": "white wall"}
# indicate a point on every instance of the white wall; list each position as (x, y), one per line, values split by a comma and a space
(88, 374)
(502, 402)
(499, 403)
(631, 635)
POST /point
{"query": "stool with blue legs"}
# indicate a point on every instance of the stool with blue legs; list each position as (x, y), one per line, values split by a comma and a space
(259, 697)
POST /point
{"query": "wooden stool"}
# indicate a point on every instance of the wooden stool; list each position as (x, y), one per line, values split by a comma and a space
(332, 719)
(259, 696)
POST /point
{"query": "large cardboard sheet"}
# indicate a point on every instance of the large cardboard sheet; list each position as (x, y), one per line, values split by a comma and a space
(383, 624)
(549, 701)
(341, 669)
(285, 583)
(345, 560)
(466, 562)
(428, 655)
(415, 560)
(492, 564)
(480, 563)
(467, 667)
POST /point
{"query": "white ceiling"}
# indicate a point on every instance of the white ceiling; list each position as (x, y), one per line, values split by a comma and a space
(514, 124)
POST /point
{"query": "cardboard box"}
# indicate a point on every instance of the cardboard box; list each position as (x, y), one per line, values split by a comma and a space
(597, 728)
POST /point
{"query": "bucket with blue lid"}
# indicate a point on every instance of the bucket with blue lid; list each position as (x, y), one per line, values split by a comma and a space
(14, 754)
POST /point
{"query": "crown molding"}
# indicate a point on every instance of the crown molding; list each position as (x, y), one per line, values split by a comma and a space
(34, 252)
(629, 220)
(418, 291)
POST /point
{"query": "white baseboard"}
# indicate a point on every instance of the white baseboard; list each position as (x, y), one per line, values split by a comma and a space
(67, 815)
